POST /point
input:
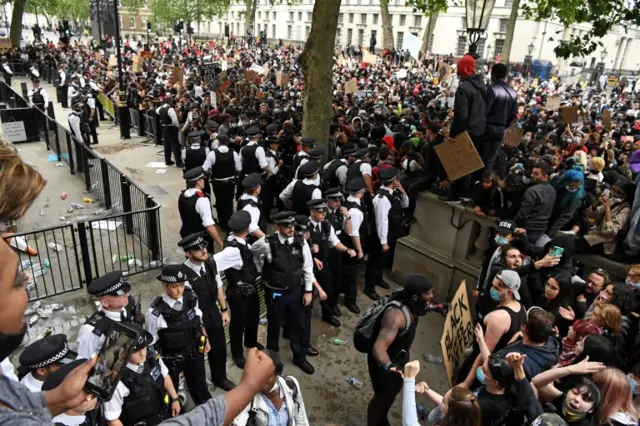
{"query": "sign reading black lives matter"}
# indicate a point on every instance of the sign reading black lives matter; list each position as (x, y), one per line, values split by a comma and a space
(207, 72)
(458, 332)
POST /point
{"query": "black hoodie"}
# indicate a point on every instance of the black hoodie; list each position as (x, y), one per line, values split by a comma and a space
(469, 107)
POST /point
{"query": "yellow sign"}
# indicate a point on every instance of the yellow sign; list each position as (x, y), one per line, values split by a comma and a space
(458, 332)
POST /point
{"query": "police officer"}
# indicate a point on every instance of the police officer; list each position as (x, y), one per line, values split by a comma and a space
(170, 125)
(208, 288)
(228, 165)
(79, 415)
(39, 96)
(250, 202)
(195, 155)
(335, 171)
(62, 86)
(323, 235)
(288, 280)
(77, 123)
(388, 205)
(33, 71)
(314, 154)
(254, 159)
(6, 71)
(175, 322)
(112, 291)
(145, 394)
(41, 358)
(241, 272)
(195, 209)
(298, 192)
(306, 145)
(89, 108)
(362, 169)
(275, 182)
(211, 133)
(359, 232)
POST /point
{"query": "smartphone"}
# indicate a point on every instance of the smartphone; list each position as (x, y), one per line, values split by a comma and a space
(557, 251)
(401, 359)
(112, 358)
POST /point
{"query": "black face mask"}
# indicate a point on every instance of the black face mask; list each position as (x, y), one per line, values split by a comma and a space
(418, 307)
(9, 342)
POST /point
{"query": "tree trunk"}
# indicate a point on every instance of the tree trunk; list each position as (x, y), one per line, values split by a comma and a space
(251, 6)
(428, 33)
(317, 71)
(16, 22)
(511, 25)
(387, 31)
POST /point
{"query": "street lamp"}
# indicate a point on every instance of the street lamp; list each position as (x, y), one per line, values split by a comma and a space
(477, 13)
(488, 50)
(123, 111)
(603, 54)
(530, 48)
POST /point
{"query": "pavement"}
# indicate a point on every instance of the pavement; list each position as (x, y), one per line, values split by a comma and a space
(329, 398)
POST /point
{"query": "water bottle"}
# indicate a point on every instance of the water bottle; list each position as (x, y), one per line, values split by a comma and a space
(433, 359)
(76, 206)
(336, 341)
(421, 411)
(354, 382)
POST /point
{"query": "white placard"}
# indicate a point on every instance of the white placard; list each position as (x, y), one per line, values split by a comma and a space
(401, 74)
(413, 46)
(214, 99)
(257, 68)
(14, 131)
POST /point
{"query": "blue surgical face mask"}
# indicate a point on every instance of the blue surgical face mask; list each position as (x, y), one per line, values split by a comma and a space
(526, 180)
(495, 295)
(500, 240)
(479, 373)
(633, 285)
(568, 188)
(633, 385)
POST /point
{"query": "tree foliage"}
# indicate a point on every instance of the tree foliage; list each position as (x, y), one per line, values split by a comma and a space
(168, 11)
(73, 10)
(428, 7)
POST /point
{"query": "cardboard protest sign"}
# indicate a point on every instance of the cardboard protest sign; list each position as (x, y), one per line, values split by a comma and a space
(513, 135)
(208, 73)
(444, 71)
(5, 43)
(146, 54)
(535, 83)
(370, 59)
(413, 45)
(224, 65)
(401, 74)
(112, 61)
(553, 103)
(457, 334)
(568, 114)
(460, 157)
(98, 56)
(351, 86)
(250, 75)
(606, 119)
(178, 75)
(282, 79)
(137, 63)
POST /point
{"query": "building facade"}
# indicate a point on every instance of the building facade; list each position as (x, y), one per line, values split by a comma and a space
(360, 19)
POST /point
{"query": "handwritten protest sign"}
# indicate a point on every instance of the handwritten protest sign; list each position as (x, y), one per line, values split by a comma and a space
(370, 59)
(112, 61)
(178, 76)
(444, 71)
(137, 63)
(257, 68)
(535, 83)
(606, 119)
(351, 86)
(460, 157)
(282, 79)
(5, 43)
(457, 334)
(568, 114)
(513, 135)
(250, 75)
(553, 103)
(208, 73)
(98, 56)
(413, 45)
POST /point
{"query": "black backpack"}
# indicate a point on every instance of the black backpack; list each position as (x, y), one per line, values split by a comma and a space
(366, 328)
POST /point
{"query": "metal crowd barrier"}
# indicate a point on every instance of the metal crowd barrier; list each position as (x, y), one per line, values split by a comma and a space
(124, 235)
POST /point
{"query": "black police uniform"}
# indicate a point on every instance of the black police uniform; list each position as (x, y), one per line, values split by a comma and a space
(330, 178)
(337, 259)
(181, 341)
(191, 220)
(319, 235)
(249, 183)
(194, 156)
(350, 265)
(282, 279)
(54, 380)
(170, 137)
(223, 176)
(272, 188)
(303, 192)
(242, 293)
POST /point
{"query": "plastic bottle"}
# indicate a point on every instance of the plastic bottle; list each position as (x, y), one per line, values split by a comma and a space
(354, 382)
(433, 359)
(336, 341)
(77, 206)
(421, 412)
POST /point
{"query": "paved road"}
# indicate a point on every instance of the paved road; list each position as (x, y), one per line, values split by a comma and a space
(329, 399)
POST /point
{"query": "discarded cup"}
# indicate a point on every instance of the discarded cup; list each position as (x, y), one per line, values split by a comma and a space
(354, 382)
(54, 246)
(433, 359)
(336, 341)
(63, 195)
(77, 206)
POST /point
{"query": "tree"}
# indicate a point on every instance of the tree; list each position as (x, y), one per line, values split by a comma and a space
(250, 13)
(431, 9)
(169, 11)
(602, 15)
(428, 32)
(317, 69)
(387, 30)
(511, 26)
(15, 33)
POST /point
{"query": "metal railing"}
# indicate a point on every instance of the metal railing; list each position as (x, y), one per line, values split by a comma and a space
(124, 235)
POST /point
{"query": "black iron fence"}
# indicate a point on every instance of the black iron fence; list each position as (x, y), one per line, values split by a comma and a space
(124, 235)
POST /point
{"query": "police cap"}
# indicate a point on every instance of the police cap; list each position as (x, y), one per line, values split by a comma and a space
(109, 284)
(251, 181)
(308, 169)
(194, 174)
(284, 218)
(194, 241)
(47, 351)
(317, 204)
(308, 141)
(355, 185)
(316, 153)
(334, 194)
(239, 220)
(252, 131)
(388, 174)
(175, 273)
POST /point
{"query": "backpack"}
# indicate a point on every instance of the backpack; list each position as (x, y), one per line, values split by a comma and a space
(366, 328)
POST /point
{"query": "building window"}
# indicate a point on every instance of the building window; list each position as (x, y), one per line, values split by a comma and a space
(273, 30)
(363, 18)
(260, 15)
(374, 34)
(360, 37)
(339, 18)
(300, 16)
(499, 47)
(403, 20)
(291, 16)
(144, 21)
(143, 4)
(481, 46)
(508, 3)
(274, 15)
(399, 39)
(462, 45)
(132, 22)
(430, 46)
(338, 36)
(417, 21)
(309, 15)
(349, 36)
(375, 19)
(289, 32)
(351, 18)
(307, 30)
(503, 25)
(120, 20)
